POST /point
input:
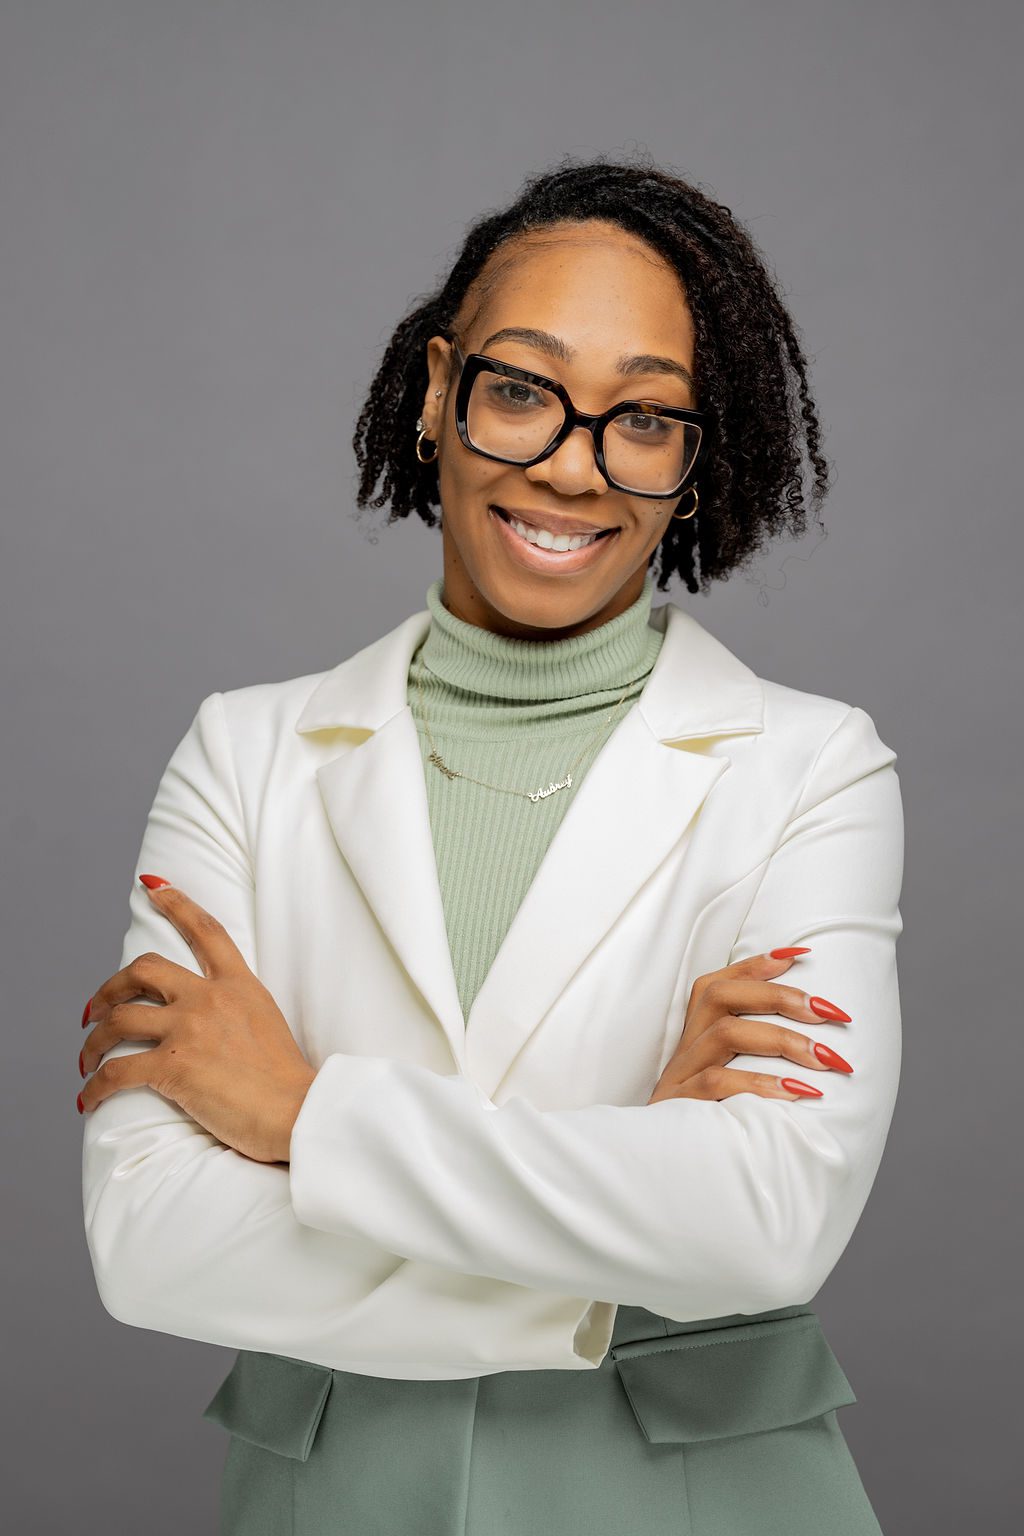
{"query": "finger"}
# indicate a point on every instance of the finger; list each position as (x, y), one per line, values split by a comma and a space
(724, 1082)
(731, 1036)
(729, 994)
(768, 964)
(210, 942)
(760, 967)
(134, 1071)
(148, 975)
(125, 1021)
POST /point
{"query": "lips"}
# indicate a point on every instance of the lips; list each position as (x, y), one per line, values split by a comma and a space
(545, 561)
(551, 525)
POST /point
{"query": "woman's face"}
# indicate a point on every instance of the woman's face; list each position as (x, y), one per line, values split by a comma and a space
(602, 296)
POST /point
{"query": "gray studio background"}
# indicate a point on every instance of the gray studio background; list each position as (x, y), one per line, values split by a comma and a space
(211, 217)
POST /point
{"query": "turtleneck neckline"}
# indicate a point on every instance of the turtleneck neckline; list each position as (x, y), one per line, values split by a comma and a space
(474, 660)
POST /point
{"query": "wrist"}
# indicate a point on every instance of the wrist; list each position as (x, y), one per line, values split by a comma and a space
(294, 1103)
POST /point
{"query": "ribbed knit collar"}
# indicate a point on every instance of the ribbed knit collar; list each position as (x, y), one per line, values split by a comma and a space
(478, 661)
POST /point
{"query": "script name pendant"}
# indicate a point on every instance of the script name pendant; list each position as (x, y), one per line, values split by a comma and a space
(542, 794)
(439, 762)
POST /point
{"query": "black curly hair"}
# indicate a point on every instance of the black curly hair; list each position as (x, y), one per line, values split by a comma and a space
(750, 370)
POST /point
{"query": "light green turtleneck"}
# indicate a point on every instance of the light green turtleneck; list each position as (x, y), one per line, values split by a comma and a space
(516, 713)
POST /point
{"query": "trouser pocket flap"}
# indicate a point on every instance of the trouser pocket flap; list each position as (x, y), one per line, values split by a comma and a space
(736, 1380)
(272, 1401)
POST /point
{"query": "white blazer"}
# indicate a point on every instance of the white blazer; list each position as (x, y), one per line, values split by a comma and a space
(473, 1195)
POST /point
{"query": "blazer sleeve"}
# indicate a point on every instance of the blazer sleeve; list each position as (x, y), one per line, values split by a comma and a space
(687, 1207)
(186, 1235)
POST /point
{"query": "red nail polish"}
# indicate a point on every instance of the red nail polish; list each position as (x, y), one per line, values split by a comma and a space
(831, 1058)
(81, 1106)
(81, 1064)
(794, 1085)
(85, 1015)
(826, 1010)
(153, 882)
(784, 954)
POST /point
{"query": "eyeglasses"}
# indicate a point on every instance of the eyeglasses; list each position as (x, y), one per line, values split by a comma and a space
(517, 417)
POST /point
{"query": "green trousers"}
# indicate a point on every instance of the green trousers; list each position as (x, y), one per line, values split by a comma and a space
(723, 1427)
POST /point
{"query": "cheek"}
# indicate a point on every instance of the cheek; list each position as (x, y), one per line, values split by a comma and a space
(644, 523)
(468, 482)
(467, 474)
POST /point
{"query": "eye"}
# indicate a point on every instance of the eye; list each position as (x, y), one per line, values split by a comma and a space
(645, 424)
(513, 394)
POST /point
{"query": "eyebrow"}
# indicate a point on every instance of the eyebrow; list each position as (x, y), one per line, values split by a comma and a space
(628, 364)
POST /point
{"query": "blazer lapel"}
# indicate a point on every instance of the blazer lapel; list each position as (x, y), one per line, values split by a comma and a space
(634, 804)
(375, 799)
(636, 801)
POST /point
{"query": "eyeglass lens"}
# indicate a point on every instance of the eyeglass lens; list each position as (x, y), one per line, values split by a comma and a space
(517, 421)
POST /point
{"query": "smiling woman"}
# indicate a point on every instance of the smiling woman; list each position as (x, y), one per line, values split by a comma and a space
(471, 968)
(616, 303)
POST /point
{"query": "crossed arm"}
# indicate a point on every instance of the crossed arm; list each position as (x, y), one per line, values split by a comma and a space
(691, 1208)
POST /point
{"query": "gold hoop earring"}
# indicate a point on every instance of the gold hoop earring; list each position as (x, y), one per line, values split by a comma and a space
(696, 498)
(419, 455)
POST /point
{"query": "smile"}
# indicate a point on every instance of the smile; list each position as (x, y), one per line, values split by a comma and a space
(540, 550)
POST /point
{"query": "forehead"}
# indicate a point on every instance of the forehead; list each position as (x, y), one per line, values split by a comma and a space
(595, 284)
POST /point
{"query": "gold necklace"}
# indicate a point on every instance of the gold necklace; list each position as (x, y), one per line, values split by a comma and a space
(527, 794)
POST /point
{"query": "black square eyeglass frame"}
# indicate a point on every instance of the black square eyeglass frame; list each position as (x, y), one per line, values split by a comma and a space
(480, 362)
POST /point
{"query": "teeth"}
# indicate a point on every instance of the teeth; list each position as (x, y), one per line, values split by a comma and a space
(546, 540)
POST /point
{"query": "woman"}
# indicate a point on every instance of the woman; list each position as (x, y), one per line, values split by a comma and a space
(491, 1111)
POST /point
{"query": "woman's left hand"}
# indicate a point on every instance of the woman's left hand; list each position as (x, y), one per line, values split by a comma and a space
(224, 1053)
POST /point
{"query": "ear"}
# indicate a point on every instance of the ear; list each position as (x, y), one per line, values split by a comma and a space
(439, 361)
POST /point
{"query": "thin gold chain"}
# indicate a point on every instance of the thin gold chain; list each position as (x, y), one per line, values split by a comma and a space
(536, 794)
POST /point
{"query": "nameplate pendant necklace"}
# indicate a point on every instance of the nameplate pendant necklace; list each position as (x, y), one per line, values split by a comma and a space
(536, 795)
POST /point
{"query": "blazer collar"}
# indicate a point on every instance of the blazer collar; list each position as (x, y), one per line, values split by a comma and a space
(697, 687)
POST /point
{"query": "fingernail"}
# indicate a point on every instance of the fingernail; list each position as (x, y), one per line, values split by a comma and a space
(85, 1015)
(794, 1085)
(81, 1106)
(831, 1058)
(153, 882)
(81, 1064)
(784, 954)
(826, 1010)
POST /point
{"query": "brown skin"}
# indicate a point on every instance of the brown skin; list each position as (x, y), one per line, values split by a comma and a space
(714, 1032)
(604, 292)
(224, 1051)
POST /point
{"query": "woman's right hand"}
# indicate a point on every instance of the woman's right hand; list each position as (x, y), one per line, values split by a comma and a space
(714, 1031)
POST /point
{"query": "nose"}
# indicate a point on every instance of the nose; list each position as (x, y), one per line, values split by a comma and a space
(572, 469)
